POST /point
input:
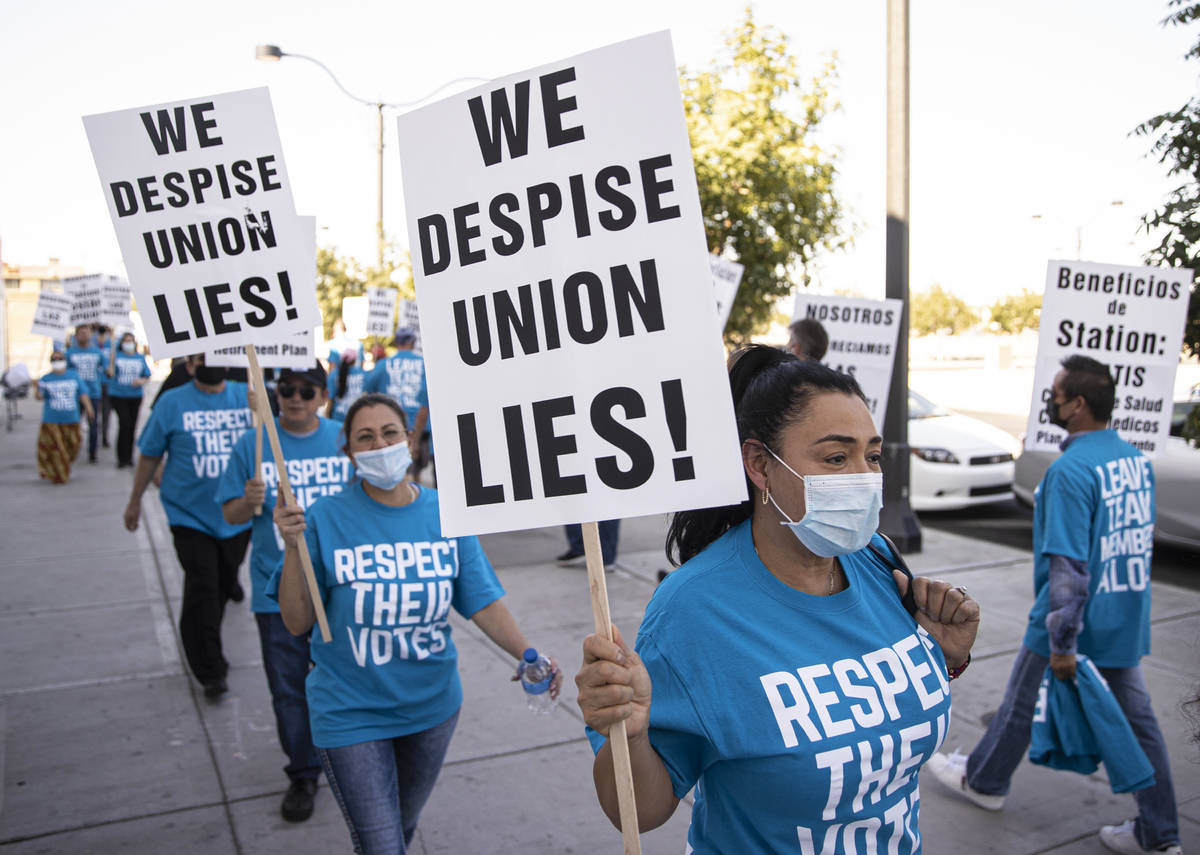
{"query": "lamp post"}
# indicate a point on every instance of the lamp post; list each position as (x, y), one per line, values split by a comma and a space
(273, 53)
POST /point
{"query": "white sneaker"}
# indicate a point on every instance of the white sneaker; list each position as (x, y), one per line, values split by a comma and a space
(1120, 838)
(951, 771)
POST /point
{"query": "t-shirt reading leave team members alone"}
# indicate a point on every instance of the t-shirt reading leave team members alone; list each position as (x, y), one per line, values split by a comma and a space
(197, 426)
(778, 671)
(315, 467)
(384, 692)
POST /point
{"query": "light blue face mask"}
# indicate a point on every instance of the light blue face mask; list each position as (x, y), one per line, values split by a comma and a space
(841, 512)
(383, 467)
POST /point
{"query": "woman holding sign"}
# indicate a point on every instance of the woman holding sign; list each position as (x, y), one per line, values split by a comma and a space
(65, 396)
(384, 694)
(778, 671)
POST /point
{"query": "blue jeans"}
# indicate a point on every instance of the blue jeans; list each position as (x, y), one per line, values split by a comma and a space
(382, 785)
(285, 659)
(991, 764)
(610, 531)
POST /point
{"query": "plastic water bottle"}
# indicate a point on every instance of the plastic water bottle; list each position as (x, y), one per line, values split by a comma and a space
(536, 675)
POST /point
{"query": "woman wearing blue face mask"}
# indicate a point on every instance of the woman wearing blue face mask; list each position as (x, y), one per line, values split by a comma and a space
(778, 671)
(384, 693)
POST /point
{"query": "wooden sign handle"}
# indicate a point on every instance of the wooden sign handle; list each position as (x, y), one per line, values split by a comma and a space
(256, 424)
(285, 489)
(622, 767)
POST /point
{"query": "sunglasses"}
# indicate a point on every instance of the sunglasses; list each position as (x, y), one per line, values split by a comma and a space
(286, 390)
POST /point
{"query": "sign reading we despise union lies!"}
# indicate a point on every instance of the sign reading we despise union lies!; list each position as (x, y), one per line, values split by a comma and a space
(203, 211)
(1129, 318)
(566, 300)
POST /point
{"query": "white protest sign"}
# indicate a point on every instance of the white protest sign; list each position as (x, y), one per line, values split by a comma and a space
(354, 316)
(202, 206)
(726, 277)
(862, 341)
(86, 298)
(115, 302)
(381, 309)
(1129, 318)
(410, 317)
(560, 265)
(52, 315)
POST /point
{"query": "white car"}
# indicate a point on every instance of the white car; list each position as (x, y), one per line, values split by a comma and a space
(957, 461)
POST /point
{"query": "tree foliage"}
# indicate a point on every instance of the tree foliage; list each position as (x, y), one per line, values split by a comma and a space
(766, 187)
(1176, 143)
(340, 276)
(1016, 312)
(937, 310)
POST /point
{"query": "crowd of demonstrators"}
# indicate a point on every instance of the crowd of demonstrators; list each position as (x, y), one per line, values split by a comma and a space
(65, 397)
(1091, 599)
(384, 693)
(402, 377)
(315, 467)
(790, 587)
(345, 383)
(127, 375)
(195, 427)
(90, 363)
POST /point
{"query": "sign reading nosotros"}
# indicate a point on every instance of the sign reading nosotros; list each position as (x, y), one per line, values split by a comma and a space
(565, 295)
(862, 341)
(203, 211)
(1129, 318)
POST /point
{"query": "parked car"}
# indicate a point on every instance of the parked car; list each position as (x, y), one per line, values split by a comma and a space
(1176, 483)
(957, 461)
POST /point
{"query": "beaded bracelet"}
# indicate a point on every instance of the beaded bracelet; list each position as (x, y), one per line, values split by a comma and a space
(955, 673)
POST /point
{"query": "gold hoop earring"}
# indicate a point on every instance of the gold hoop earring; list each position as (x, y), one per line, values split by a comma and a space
(766, 494)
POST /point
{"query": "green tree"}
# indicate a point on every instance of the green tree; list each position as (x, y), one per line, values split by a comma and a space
(337, 278)
(766, 187)
(1177, 145)
(1016, 312)
(937, 310)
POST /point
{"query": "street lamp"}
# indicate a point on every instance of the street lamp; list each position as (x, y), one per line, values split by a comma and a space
(273, 53)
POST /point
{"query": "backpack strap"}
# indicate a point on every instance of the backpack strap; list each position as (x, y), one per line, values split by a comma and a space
(892, 562)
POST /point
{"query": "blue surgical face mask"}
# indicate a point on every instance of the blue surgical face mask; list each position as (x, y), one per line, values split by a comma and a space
(383, 467)
(841, 512)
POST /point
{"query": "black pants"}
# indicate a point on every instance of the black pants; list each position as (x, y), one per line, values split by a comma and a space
(210, 568)
(106, 406)
(127, 414)
(93, 439)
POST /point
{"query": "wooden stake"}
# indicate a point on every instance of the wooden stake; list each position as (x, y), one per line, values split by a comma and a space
(263, 408)
(622, 767)
(256, 424)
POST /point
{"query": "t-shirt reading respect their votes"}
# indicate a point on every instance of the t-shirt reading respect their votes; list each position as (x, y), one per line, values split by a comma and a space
(388, 579)
(1096, 504)
(89, 362)
(315, 468)
(197, 431)
(801, 721)
(60, 397)
(126, 369)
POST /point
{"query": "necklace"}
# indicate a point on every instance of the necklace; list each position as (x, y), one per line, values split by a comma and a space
(832, 573)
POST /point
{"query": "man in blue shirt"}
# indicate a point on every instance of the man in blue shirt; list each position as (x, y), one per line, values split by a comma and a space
(197, 426)
(402, 377)
(89, 362)
(315, 467)
(1093, 528)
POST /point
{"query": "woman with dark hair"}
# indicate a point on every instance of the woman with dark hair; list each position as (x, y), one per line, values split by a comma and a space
(59, 436)
(345, 384)
(778, 671)
(384, 692)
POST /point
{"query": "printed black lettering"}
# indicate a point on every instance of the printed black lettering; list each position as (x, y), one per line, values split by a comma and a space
(553, 108)
(514, 127)
(641, 457)
(552, 446)
(166, 135)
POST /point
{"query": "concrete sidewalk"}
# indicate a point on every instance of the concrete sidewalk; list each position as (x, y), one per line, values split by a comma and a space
(108, 746)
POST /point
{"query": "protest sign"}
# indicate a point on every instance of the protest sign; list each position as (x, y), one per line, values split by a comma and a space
(726, 277)
(202, 207)
(115, 302)
(52, 314)
(1129, 318)
(86, 298)
(354, 316)
(411, 318)
(561, 271)
(381, 310)
(862, 341)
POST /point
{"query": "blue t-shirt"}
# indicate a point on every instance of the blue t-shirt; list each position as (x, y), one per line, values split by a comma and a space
(402, 377)
(60, 397)
(315, 468)
(197, 431)
(89, 363)
(1096, 504)
(801, 721)
(388, 579)
(354, 389)
(127, 367)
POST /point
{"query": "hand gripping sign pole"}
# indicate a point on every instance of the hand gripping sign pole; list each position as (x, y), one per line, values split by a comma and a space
(622, 767)
(263, 408)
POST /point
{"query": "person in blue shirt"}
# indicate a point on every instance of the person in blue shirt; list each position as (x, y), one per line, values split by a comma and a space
(402, 376)
(777, 672)
(128, 373)
(103, 339)
(1093, 530)
(196, 427)
(89, 362)
(316, 467)
(384, 692)
(65, 396)
(345, 384)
